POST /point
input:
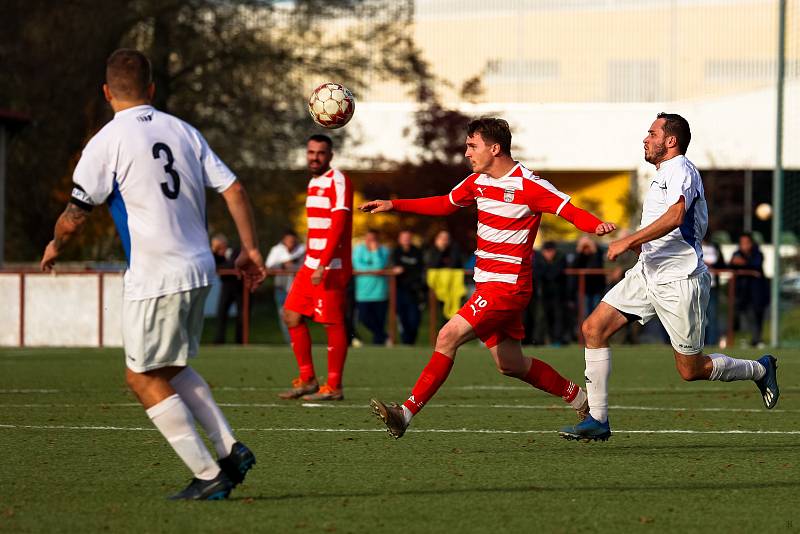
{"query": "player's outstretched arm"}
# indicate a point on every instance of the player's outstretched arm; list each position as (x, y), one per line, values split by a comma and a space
(376, 206)
(585, 221)
(440, 205)
(68, 225)
(250, 262)
(670, 220)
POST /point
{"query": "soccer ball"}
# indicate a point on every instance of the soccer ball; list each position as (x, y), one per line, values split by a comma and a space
(763, 211)
(331, 105)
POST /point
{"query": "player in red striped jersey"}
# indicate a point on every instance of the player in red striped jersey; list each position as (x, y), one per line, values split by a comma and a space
(319, 290)
(511, 200)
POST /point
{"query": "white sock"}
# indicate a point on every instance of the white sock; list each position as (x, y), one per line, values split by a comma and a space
(727, 369)
(407, 415)
(598, 369)
(174, 420)
(194, 391)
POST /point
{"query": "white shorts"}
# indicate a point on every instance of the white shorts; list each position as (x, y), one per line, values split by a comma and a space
(680, 305)
(163, 331)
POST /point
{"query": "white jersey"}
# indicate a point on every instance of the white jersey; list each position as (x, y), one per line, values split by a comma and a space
(152, 170)
(679, 254)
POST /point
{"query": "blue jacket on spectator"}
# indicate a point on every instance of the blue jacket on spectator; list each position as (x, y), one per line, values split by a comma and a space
(371, 288)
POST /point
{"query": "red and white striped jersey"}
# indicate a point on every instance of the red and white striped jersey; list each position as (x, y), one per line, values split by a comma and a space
(509, 212)
(327, 194)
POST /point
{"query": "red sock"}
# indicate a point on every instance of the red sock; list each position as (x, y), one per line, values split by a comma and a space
(429, 382)
(544, 377)
(301, 345)
(337, 353)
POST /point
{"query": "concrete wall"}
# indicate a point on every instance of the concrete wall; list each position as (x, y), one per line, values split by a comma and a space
(61, 310)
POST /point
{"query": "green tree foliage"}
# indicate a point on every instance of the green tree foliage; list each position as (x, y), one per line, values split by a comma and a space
(235, 69)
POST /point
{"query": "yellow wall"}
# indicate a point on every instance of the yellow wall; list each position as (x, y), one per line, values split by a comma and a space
(608, 195)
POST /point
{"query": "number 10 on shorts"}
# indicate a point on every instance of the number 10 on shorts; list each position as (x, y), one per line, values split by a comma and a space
(478, 304)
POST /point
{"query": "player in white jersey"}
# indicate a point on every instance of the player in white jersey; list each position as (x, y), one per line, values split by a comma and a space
(152, 170)
(669, 281)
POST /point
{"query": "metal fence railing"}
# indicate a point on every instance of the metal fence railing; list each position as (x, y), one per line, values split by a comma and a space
(726, 275)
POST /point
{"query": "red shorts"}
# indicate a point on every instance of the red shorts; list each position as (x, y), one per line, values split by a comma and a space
(495, 316)
(324, 303)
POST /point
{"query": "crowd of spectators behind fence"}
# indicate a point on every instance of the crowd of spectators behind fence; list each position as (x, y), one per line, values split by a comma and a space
(551, 317)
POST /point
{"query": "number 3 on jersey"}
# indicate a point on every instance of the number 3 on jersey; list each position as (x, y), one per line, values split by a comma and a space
(171, 193)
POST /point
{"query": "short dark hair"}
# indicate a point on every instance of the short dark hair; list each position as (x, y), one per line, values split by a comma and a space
(128, 74)
(549, 245)
(676, 125)
(492, 130)
(322, 138)
(289, 232)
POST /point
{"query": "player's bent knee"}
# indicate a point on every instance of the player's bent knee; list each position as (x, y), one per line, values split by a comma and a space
(292, 319)
(592, 331)
(447, 339)
(135, 381)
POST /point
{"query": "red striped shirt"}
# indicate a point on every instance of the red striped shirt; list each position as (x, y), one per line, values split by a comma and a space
(328, 193)
(509, 212)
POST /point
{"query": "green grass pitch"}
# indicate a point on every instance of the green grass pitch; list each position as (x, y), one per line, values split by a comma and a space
(78, 455)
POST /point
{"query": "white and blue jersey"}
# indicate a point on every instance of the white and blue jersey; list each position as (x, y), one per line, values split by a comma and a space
(679, 254)
(152, 169)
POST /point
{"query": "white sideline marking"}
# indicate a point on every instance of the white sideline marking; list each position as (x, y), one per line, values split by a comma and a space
(689, 389)
(30, 390)
(420, 431)
(683, 389)
(429, 406)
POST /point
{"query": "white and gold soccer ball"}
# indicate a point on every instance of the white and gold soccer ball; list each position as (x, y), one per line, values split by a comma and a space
(331, 105)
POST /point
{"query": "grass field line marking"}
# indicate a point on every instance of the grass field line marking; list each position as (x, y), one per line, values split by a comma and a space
(416, 431)
(697, 389)
(30, 391)
(448, 406)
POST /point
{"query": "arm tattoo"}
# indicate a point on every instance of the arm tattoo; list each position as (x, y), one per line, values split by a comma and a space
(75, 214)
(69, 223)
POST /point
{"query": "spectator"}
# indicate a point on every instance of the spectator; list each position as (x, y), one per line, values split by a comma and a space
(231, 288)
(440, 260)
(550, 283)
(590, 256)
(712, 257)
(444, 253)
(408, 264)
(287, 255)
(752, 292)
(372, 291)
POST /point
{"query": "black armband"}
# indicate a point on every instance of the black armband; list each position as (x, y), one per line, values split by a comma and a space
(80, 198)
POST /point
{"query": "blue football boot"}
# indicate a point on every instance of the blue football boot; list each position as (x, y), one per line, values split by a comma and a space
(237, 463)
(216, 489)
(589, 429)
(768, 385)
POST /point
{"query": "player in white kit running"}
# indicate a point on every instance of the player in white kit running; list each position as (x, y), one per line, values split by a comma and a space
(670, 281)
(152, 170)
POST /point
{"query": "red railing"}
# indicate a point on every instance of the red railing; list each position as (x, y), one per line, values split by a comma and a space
(392, 312)
(731, 317)
(23, 273)
(433, 304)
